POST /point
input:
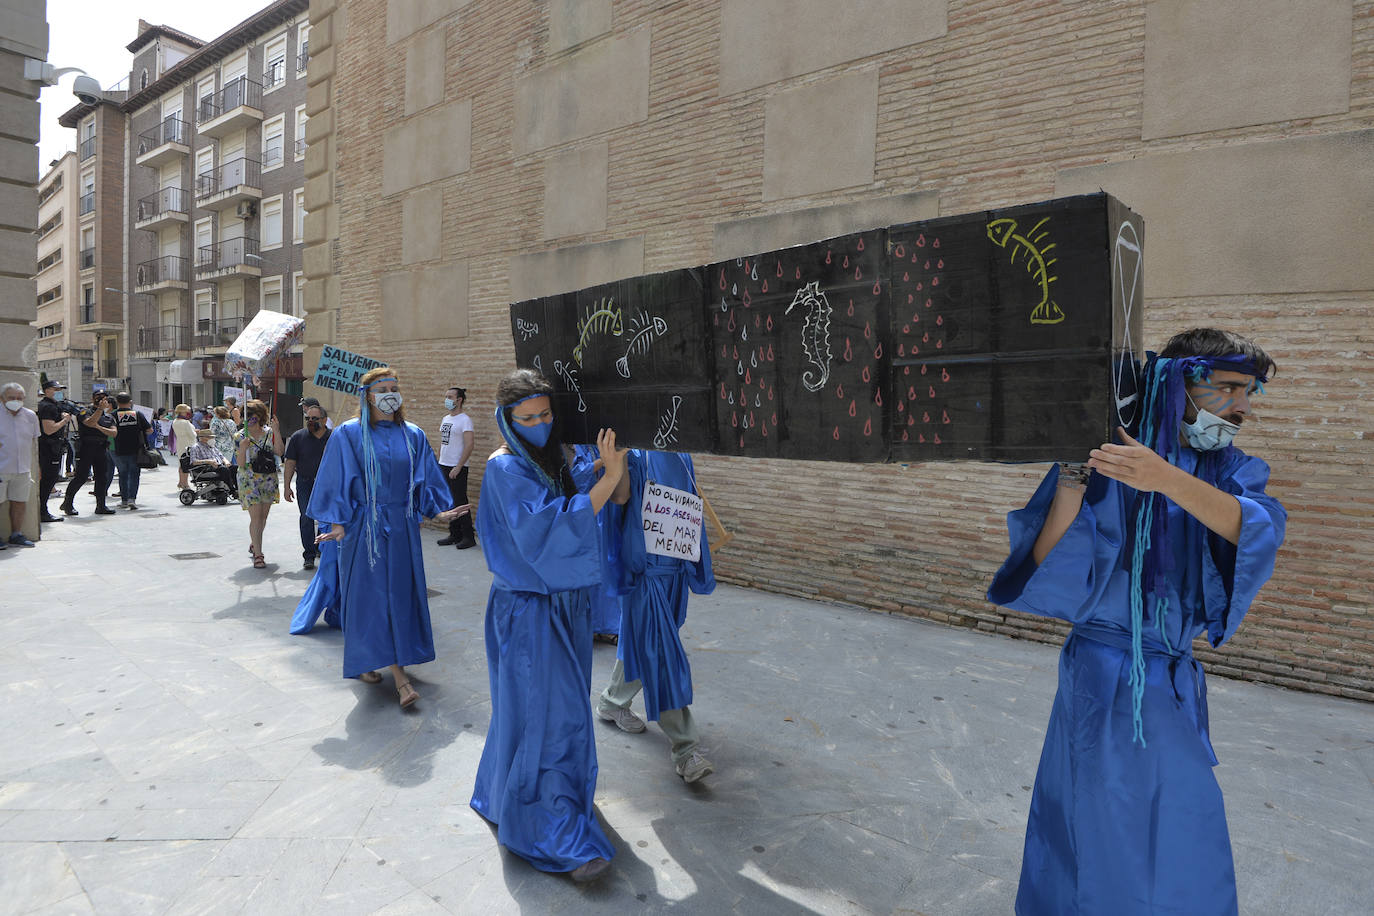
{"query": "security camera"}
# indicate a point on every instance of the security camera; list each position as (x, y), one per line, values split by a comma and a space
(87, 90)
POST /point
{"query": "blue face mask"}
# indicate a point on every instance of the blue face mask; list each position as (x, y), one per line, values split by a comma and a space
(449, 402)
(1209, 432)
(536, 435)
(59, 395)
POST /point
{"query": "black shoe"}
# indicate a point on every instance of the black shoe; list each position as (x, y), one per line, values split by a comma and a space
(48, 517)
(104, 510)
(465, 543)
(309, 563)
(69, 510)
(448, 541)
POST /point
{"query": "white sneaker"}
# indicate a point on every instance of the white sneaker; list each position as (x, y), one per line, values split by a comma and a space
(623, 717)
(694, 767)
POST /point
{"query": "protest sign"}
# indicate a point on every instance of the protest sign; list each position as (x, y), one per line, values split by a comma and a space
(672, 522)
(339, 370)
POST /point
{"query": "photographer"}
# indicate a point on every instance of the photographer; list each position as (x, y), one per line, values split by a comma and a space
(96, 427)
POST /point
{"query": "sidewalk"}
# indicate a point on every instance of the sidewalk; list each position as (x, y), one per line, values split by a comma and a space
(168, 748)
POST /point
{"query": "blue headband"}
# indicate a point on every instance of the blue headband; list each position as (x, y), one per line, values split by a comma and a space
(1232, 362)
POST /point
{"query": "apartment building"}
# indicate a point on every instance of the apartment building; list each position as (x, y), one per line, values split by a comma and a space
(214, 210)
(65, 267)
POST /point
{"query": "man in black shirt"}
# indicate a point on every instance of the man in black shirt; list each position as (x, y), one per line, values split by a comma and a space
(131, 436)
(96, 427)
(301, 461)
(52, 444)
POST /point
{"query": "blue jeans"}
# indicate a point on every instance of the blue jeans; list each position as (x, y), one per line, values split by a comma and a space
(129, 473)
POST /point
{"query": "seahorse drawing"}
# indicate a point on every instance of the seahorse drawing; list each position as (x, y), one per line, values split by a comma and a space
(815, 334)
(527, 329)
(666, 434)
(643, 331)
(568, 374)
(605, 318)
(1038, 263)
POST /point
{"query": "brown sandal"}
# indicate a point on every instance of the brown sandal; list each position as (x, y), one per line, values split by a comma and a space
(408, 694)
(259, 562)
(370, 677)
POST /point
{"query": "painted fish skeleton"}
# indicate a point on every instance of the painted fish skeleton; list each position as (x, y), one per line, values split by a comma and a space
(643, 332)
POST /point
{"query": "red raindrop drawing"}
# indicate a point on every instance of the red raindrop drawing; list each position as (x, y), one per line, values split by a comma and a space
(878, 397)
(853, 411)
(900, 252)
(769, 325)
(734, 419)
(798, 274)
(939, 319)
(936, 243)
(878, 353)
(827, 257)
(836, 434)
(944, 416)
(868, 426)
(921, 240)
(923, 368)
(937, 435)
(765, 284)
(779, 268)
(839, 392)
(905, 437)
(722, 278)
(745, 298)
(866, 376)
(851, 308)
(868, 327)
(901, 349)
(848, 350)
(846, 261)
(944, 375)
(925, 417)
(931, 392)
(861, 243)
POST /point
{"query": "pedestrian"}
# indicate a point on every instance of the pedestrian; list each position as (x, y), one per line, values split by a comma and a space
(224, 429)
(96, 428)
(301, 464)
(183, 437)
(653, 608)
(1155, 542)
(231, 406)
(205, 454)
(198, 418)
(19, 430)
(377, 478)
(538, 528)
(258, 447)
(455, 447)
(131, 431)
(163, 420)
(52, 444)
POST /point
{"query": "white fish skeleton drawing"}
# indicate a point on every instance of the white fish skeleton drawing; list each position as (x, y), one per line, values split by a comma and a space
(568, 374)
(815, 334)
(527, 329)
(666, 434)
(643, 331)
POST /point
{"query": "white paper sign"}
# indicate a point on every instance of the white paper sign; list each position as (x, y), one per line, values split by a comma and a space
(672, 522)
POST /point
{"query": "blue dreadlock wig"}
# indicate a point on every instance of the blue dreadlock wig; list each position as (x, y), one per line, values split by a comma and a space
(372, 475)
(1164, 400)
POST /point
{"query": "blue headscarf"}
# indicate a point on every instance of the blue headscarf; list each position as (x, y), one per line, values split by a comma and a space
(518, 446)
(372, 474)
(1164, 403)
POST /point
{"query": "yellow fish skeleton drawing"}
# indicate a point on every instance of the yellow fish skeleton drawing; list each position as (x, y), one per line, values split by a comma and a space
(604, 319)
(1003, 234)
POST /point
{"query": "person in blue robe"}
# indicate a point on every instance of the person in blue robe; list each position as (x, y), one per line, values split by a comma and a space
(538, 530)
(322, 594)
(653, 608)
(377, 478)
(606, 605)
(1151, 544)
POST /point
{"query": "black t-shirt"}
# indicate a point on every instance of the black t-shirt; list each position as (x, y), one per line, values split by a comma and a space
(132, 430)
(306, 451)
(48, 410)
(90, 436)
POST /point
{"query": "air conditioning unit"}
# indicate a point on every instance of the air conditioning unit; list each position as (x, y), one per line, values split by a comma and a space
(246, 209)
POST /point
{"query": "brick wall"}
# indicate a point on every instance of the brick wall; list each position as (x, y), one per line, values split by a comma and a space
(999, 109)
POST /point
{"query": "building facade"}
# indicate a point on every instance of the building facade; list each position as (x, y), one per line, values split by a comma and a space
(64, 266)
(214, 211)
(465, 155)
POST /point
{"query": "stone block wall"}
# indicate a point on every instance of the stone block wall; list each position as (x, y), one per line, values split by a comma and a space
(468, 154)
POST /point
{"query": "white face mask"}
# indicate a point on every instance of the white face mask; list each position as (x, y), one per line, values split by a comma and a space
(388, 402)
(13, 406)
(449, 402)
(1208, 432)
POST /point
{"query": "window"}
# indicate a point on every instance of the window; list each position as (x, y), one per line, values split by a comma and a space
(298, 295)
(302, 47)
(273, 142)
(271, 223)
(205, 100)
(87, 139)
(271, 294)
(87, 248)
(143, 79)
(206, 180)
(87, 193)
(298, 222)
(274, 63)
(300, 132)
(50, 225)
(88, 303)
(49, 295)
(49, 260)
(205, 314)
(50, 330)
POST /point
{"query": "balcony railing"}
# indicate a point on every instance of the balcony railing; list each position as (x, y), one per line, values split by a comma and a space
(300, 147)
(303, 57)
(275, 74)
(237, 92)
(166, 269)
(230, 175)
(87, 202)
(87, 258)
(166, 337)
(168, 200)
(171, 130)
(220, 332)
(272, 155)
(87, 148)
(228, 253)
(88, 317)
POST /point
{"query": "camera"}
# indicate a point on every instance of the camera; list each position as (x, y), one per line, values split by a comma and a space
(87, 90)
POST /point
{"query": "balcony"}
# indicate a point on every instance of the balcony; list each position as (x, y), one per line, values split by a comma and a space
(229, 259)
(216, 334)
(87, 148)
(87, 203)
(169, 141)
(303, 57)
(167, 272)
(300, 147)
(272, 153)
(166, 340)
(168, 206)
(87, 258)
(275, 74)
(233, 183)
(237, 105)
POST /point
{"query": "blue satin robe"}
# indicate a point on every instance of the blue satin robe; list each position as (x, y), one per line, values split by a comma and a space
(655, 605)
(322, 594)
(384, 610)
(606, 604)
(1115, 827)
(537, 777)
